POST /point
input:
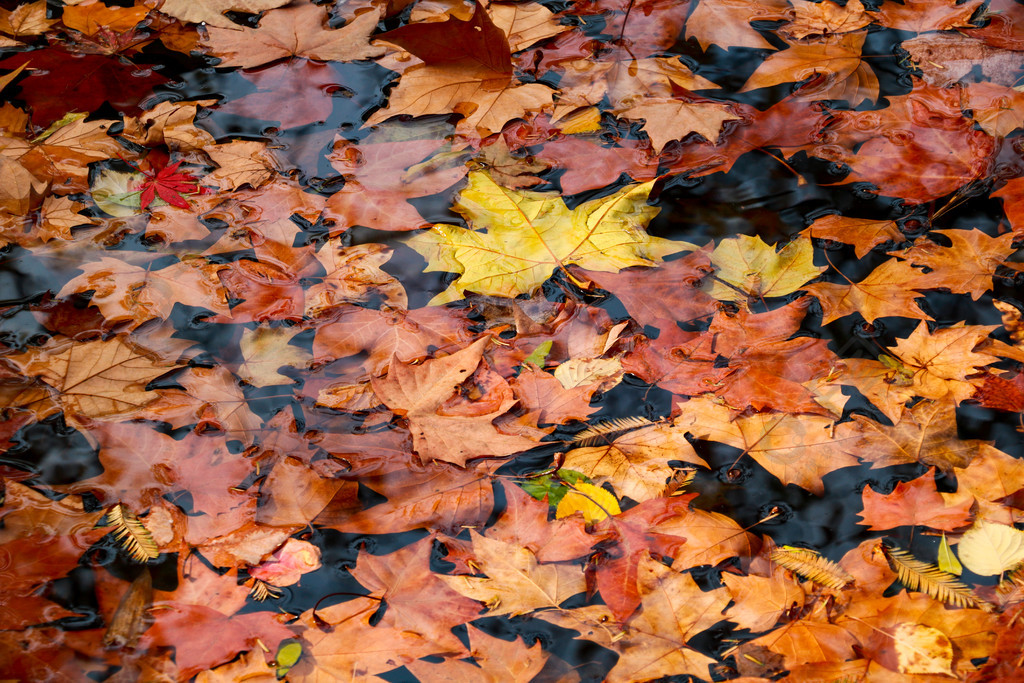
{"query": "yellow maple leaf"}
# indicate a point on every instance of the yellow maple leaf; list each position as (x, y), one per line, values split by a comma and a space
(747, 266)
(530, 234)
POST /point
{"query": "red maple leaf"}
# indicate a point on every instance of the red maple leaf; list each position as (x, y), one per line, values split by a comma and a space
(165, 181)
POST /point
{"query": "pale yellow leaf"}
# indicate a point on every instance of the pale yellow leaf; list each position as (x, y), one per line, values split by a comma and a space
(989, 549)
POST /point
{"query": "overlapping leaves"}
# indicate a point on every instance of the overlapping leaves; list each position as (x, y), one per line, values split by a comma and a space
(332, 397)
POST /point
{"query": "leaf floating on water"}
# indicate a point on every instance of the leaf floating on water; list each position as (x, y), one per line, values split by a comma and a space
(529, 235)
(989, 549)
(132, 533)
(591, 435)
(929, 579)
(593, 502)
(812, 566)
(947, 559)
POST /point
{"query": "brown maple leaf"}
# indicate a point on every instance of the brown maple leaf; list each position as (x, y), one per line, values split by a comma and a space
(437, 496)
(833, 64)
(919, 148)
(863, 233)
(141, 464)
(515, 582)
(889, 290)
(964, 267)
(654, 643)
(524, 522)
(451, 432)
(417, 599)
(760, 601)
(637, 462)
(926, 433)
(798, 450)
(922, 16)
(727, 22)
(495, 661)
(942, 359)
(294, 31)
(96, 378)
(340, 642)
(467, 70)
(382, 173)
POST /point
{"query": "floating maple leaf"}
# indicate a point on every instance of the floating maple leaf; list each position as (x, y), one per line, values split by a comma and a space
(531, 233)
(165, 181)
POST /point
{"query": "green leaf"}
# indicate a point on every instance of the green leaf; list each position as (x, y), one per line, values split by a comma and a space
(539, 354)
(287, 656)
(947, 560)
(553, 486)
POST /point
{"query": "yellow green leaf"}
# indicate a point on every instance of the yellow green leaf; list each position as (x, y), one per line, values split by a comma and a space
(113, 193)
(538, 355)
(989, 548)
(593, 501)
(748, 267)
(947, 559)
(521, 237)
(287, 656)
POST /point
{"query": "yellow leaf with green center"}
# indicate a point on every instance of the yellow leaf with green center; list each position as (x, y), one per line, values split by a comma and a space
(521, 237)
(748, 267)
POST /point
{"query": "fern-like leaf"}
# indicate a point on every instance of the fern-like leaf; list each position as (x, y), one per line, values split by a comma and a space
(929, 579)
(811, 566)
(1011, 588)
(591, 435)
(261, 590)
(132, 534)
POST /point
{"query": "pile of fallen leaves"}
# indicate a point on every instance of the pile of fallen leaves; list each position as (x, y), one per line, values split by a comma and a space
(305, 468)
